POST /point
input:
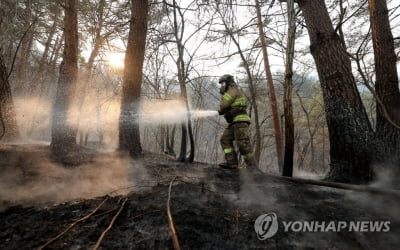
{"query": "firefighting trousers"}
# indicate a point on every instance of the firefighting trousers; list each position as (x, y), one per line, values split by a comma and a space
(238, 132)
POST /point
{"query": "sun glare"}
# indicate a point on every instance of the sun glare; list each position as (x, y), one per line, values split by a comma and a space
(116, 60)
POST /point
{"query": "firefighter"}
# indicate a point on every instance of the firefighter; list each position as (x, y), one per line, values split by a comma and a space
(233, 106)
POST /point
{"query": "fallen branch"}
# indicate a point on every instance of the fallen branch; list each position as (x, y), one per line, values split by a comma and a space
(72, 225)
(110, 225)
(174, 235)
(353, 187)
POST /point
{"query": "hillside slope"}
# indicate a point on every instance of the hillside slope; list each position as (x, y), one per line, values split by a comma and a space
(211, 208)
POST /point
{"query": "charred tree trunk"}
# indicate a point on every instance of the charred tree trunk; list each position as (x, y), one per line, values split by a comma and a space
(129, 131)
(271, 90)
(170, 140)
(350, 132)
(183, 149)
(63, 133)
(288, 86)
(387, 85)
(171, 143)
(8, 121)
(191, 138)
(187, 131)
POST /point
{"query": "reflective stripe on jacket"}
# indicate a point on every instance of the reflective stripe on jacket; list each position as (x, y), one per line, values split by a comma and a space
(234, 99)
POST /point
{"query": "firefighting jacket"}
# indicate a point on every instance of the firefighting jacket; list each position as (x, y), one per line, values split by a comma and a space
(233, 105)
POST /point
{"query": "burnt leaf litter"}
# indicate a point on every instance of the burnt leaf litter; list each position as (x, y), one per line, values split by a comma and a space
(212, 208)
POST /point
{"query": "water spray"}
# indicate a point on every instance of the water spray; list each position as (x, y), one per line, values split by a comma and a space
(173, 117)
(195, 114)
(169, 111)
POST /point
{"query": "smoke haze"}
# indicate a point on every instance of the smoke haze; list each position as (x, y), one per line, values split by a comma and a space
(34, 117)
(29, 177)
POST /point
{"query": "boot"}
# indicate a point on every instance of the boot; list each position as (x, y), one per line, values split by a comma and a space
(230, 163)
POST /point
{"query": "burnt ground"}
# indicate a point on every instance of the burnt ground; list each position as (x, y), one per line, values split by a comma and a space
(212, 208)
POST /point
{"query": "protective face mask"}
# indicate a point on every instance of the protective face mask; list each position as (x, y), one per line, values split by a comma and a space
(222, 89)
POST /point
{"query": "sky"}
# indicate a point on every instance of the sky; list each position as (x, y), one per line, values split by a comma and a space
(204, 63)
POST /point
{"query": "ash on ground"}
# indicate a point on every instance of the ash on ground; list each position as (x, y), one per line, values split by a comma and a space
(212, 208)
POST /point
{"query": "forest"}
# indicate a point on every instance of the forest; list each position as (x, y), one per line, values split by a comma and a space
(110, 105)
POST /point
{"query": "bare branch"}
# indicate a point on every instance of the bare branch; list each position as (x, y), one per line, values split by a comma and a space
(110, 225)
(72, 225)
(170, 220)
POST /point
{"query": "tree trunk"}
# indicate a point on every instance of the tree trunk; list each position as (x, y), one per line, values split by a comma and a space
(350, 132)
(170, 140)
(183, 149)
(56, 52)
(25, 49)
(288, 86)
(38, 78)
(310, 132)
(63, 133)
(8, 121)
(186, 127)
(271, 90)
(99, 39)
(387, 84)
(257, 126)
(86, 84)
(186, 131)
(161, 141)
(129, 130)
(43, 60)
